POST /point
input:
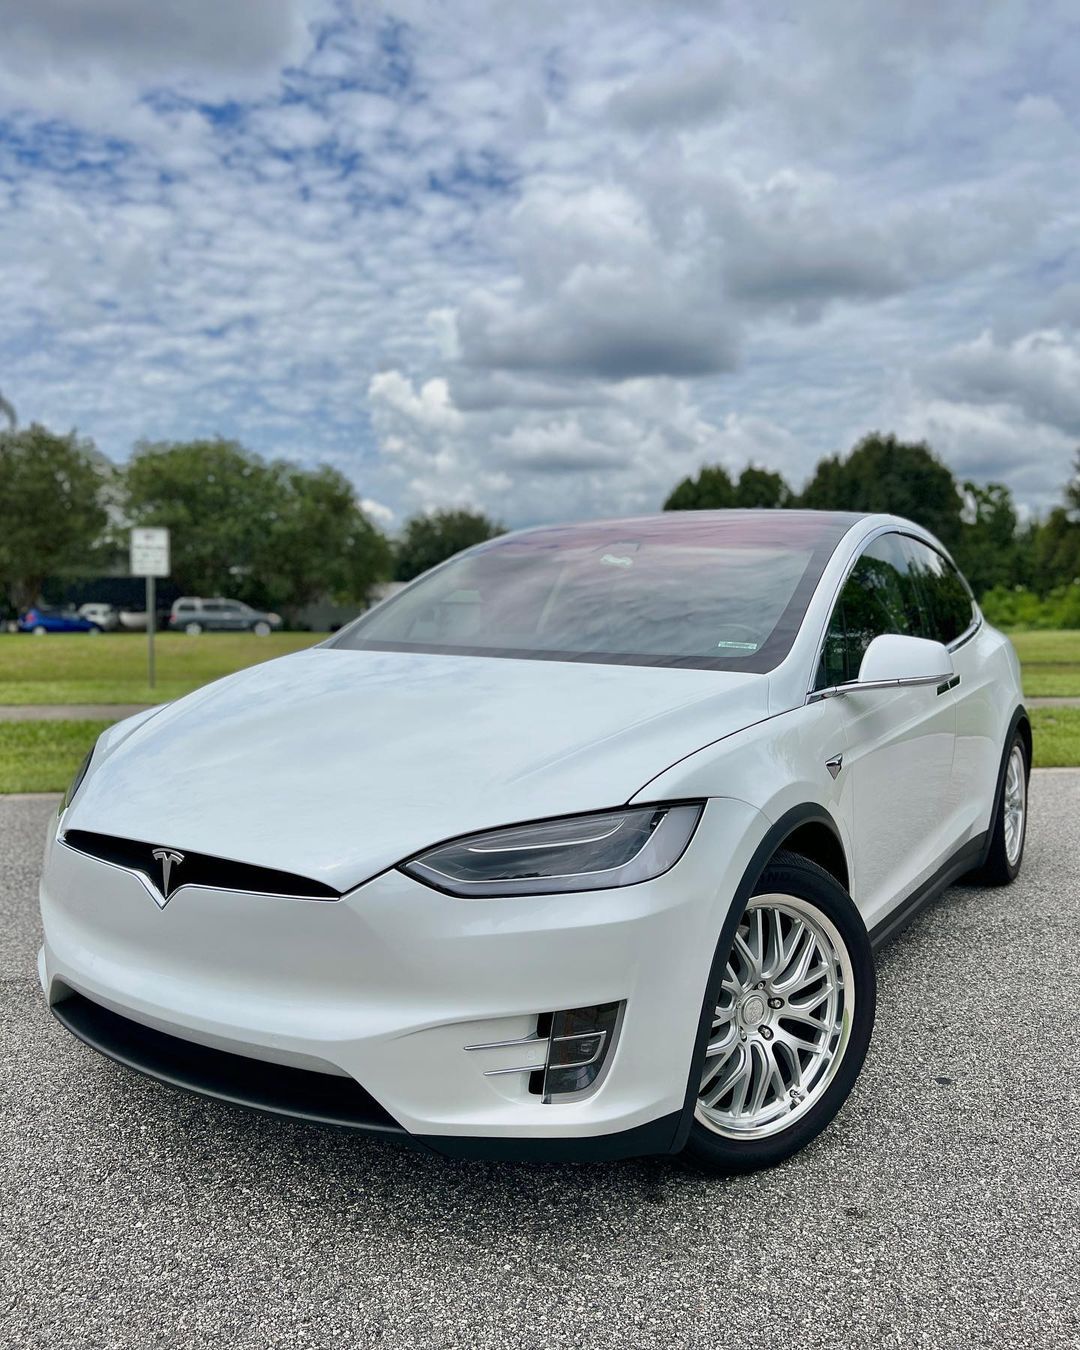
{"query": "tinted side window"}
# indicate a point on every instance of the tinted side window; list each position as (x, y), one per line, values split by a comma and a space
(879, 596)
(946, 598)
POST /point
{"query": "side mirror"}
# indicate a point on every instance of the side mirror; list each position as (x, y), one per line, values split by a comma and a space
(894, 661)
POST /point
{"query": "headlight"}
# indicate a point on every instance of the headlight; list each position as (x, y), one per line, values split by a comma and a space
(76, 782)
(575, 853)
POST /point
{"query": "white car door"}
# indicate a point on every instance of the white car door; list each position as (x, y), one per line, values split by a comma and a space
(952, 618)
(899, 743)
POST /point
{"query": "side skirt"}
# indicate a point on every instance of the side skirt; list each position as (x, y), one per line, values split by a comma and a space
(966, 859)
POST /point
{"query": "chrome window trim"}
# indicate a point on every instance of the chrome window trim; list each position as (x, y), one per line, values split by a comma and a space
(964, 637)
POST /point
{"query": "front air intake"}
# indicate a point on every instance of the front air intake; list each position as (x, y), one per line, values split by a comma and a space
(304, 1094)
(193, 869)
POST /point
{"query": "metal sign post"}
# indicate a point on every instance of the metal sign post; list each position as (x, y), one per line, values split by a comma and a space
(150, 559)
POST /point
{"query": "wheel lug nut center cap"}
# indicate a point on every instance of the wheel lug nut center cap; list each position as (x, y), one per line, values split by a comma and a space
(753, 1010)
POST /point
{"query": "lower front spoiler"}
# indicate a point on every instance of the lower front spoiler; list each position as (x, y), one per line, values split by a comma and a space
(322, 1098)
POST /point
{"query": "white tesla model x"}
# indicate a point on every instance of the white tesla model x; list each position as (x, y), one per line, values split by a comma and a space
(578, 847)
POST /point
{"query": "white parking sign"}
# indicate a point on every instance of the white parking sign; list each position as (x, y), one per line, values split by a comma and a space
(150, 552)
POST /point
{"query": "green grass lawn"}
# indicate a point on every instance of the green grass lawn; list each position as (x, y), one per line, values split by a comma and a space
(111, 667)
(43, 756)
(1051, 662)
(1052, 647)
(1056, 737)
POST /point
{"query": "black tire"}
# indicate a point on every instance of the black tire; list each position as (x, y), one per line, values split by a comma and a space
(789, 874)
(998, 870)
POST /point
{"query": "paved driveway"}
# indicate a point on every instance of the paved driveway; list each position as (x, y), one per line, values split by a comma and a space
(941, 1209)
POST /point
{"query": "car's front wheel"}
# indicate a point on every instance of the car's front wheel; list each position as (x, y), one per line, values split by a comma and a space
(790, 1027)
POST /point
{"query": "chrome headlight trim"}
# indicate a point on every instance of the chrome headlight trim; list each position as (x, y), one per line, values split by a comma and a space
(598, 851)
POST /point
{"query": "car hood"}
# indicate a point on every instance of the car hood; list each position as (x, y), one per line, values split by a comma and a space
(337, 764)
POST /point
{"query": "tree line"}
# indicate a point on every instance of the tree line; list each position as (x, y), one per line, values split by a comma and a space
(281, 536)
(269, 532)
(1026, 574)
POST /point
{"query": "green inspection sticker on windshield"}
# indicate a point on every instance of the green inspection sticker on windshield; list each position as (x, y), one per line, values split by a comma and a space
(739, 646)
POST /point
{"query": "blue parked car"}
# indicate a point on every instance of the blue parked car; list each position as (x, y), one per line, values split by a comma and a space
(40, 621)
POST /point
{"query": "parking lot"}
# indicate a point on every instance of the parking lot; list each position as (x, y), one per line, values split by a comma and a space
(941, 1209)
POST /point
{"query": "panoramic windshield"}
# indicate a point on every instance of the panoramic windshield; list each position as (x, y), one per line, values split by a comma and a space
(717, 591)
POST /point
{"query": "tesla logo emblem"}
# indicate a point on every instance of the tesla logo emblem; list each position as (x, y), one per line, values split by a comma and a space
(168, 858)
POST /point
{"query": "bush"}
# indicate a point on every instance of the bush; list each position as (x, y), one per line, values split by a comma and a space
(1017, 607)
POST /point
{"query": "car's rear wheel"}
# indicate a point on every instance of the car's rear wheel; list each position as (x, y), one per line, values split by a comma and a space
(261, 629)
(791, 1024)
(193, 629)
(1009, 833)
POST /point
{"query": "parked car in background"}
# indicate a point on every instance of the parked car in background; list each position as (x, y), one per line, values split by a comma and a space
(194, 615)
(105, 616)
(40, 620)
(134, 620)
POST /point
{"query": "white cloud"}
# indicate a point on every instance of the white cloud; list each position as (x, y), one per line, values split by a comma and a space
(167, 35)
(994, 443)
(377, 511)
(1037, 375)
(545, 259)
(682, 94)
(430, 406)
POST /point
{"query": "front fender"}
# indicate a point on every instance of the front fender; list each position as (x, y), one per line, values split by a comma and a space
(776, 766)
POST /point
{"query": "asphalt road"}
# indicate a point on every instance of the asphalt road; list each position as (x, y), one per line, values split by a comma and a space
(941, 1209)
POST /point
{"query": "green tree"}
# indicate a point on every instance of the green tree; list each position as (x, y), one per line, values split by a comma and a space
(1072, 489)
(710, 490)
(1049, 549)
(430, 539)
(273, 534)
(52, 508)
(885, 474)
(1055, 551)
(321, 543)
(761, 487)
(987, 548)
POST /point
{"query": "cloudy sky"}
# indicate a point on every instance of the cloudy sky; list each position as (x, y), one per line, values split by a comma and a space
(546, 258)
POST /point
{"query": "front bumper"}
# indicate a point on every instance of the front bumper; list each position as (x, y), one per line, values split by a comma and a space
(389, 985)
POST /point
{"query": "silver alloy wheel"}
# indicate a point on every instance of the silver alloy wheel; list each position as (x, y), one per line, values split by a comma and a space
(782, 1022)
(1015, 805)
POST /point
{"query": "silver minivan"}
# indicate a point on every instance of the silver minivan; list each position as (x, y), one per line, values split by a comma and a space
(194, 615)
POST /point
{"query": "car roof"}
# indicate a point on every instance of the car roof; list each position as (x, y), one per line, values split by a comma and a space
(761, 527)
